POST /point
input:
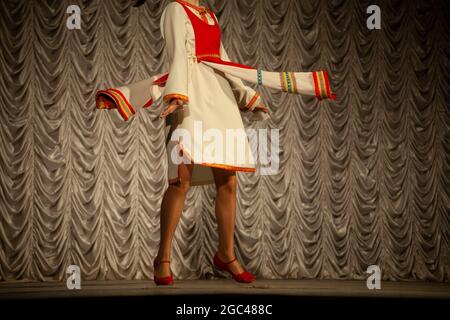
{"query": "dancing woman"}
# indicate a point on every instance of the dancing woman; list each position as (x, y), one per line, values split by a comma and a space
(203, 87)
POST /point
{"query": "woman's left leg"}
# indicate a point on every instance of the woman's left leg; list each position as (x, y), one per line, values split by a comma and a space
(226, 185)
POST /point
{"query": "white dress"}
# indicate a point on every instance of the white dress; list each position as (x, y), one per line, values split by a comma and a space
(211, 109)
(207, 130)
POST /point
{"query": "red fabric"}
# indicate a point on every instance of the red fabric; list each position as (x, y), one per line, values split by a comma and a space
(207, 37)
(207, 40)
(220, 61)
(162, 81)
(331, 96)
(316, 85)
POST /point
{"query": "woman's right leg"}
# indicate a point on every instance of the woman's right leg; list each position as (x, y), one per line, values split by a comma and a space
(171, 209)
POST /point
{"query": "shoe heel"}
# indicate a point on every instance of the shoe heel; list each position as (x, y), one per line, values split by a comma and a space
(245, 277)
(162, 281)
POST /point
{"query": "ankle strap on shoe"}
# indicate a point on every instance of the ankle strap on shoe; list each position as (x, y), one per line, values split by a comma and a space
(159, 262)
(231, 261)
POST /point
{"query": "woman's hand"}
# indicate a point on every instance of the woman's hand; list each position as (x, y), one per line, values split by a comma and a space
(261, 107)
(173, 105)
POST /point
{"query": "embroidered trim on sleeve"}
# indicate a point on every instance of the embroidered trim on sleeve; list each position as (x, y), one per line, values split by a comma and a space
(251, 105)
(288, 82)
(259, 77)
(121, 103)
(322, 85)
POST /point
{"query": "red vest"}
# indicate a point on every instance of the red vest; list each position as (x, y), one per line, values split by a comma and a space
(207, 42)
(207, 39)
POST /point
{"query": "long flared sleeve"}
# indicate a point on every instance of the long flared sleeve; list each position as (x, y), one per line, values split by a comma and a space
(173, 29)
(246, 97)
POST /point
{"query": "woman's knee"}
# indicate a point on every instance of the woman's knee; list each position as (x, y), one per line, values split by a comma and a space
(185, 185)
(181, 185)
(227, 184)
(184, 178)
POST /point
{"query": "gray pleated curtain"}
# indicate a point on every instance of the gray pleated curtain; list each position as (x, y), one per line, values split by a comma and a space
(363, 180)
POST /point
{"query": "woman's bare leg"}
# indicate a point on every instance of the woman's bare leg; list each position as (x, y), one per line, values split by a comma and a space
(226, 215)
(171, 209)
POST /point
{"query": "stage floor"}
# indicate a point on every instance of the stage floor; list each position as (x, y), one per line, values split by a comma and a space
(299, 288)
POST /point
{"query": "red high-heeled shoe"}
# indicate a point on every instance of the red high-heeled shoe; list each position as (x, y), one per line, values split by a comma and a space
(162, 281)
(244, 276)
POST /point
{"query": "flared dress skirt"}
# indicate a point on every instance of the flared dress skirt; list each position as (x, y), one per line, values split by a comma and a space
(209, 131)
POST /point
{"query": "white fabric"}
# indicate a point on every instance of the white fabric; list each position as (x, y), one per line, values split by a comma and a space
(212, 101)
(304, 80)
